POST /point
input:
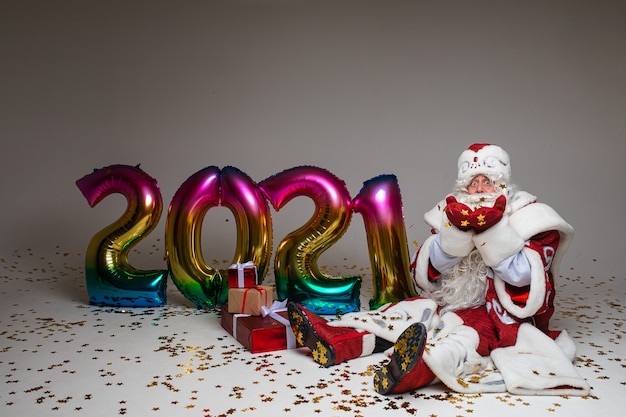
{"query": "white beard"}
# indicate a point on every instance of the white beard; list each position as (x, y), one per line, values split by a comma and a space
(465, 287)
(474, 201)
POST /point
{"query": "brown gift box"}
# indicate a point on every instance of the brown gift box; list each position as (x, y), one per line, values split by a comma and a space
(250, 300)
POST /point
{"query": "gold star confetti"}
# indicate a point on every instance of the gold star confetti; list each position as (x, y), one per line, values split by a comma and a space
(60, 353)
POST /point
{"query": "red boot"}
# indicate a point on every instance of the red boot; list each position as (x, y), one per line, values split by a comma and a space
(330, 345)
(406, 370)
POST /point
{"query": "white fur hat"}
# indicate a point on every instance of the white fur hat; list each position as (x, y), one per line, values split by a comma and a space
(489, 160)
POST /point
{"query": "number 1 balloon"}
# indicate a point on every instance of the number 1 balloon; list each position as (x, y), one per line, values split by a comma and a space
(380, 204)
(111, 280)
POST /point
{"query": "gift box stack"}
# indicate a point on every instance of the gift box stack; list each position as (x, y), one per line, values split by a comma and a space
(252, 316)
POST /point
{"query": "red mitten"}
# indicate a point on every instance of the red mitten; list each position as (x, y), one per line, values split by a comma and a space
(484, 217)
(458, 213)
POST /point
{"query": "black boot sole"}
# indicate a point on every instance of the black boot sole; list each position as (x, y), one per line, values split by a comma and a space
(323, 353)
(406, 354)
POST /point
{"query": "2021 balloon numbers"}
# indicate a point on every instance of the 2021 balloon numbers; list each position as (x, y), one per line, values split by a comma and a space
(112, 281)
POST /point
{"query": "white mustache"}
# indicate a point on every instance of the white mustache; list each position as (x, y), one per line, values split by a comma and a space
(477, 200)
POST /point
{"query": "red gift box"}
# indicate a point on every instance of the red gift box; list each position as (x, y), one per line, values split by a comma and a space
(260, 334)
(242, 275)
(250, 300)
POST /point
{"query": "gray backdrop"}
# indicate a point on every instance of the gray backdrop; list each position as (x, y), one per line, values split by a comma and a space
(360, 88)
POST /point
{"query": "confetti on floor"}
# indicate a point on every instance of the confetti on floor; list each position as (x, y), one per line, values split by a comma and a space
(62, 356)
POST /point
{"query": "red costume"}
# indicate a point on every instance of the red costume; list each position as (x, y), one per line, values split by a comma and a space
(486, 276)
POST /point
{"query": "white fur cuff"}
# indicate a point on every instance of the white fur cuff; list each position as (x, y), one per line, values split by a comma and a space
(454, 241)
(498, 242)
(537, 366)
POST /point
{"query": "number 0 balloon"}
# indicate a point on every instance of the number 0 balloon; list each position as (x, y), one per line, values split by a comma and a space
(111, 280)
(199, 282)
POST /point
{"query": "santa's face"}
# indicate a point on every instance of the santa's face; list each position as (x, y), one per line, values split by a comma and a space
(480, 192)
(480, 184)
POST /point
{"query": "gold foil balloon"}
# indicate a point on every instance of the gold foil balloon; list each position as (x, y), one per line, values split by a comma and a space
(380, 204)
(199, 282)
(111, 280)
(243, 197)
(297, 273)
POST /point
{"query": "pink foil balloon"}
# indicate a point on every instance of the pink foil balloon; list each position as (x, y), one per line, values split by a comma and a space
(199, 282)
(111, 280)
(380, 204)
(297, 273)
(244, 198)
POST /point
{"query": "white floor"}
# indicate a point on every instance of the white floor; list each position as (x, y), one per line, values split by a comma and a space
(60, 356)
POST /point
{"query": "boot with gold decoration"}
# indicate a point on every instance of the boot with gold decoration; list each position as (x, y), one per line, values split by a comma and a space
(329, 345)
(406, 370)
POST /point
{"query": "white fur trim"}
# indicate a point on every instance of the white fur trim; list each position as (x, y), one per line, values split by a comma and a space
(390, 320)
(539, 217)
(434, 215)
(536, 365)
(536, 218)
(422, 259)
(451, 354)
(529, 221)
(567, 345)
(369, 343)
(518, 200)
(454, 241)
(491, 161)
(498, 242)
(537, 292)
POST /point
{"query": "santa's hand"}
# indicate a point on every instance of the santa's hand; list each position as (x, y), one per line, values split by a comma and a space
(458, 214)
(485, 217)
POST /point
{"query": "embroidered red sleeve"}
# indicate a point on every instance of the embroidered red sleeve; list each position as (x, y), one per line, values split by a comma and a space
(546, 245)
(433, 274)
